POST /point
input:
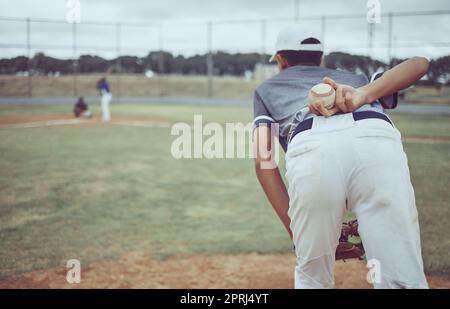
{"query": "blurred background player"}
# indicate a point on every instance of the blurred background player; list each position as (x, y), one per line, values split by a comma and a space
(81, 109)
(103, 87)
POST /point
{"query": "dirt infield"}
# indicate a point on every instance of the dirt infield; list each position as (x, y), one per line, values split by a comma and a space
(134, 270)
(23, 119)
(50, 120)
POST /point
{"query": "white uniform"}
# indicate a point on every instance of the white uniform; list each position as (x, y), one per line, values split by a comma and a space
(106, 100)
(341, 164)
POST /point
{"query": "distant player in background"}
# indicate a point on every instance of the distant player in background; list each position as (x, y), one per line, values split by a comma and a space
(81, 109)
(103, 87)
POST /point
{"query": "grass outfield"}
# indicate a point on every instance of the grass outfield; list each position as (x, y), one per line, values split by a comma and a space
(96, 192)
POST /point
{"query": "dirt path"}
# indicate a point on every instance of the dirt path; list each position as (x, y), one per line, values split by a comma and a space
(51, 120)
(259, 271)
(426, 140)
(24, 119)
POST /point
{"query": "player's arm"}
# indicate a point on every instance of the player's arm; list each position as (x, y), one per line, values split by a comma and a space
(269, 175)
(399, 77)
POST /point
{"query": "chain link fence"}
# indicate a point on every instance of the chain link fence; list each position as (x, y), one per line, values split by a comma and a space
(399, 34)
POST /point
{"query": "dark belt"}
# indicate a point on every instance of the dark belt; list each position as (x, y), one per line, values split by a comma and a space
(307, 124)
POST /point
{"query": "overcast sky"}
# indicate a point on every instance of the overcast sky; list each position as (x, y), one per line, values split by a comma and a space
(184, 30)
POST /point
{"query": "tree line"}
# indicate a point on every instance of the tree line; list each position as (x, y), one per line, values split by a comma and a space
(224, 64)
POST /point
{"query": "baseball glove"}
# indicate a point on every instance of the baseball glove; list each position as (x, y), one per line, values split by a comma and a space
(349, 250)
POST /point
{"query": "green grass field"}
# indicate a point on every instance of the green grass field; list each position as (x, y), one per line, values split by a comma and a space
(97, 192)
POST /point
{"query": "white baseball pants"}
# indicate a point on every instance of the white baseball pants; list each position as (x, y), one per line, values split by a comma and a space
(342, 164)
(106, 100)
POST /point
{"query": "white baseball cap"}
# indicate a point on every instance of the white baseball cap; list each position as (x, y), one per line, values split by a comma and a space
(291, 38)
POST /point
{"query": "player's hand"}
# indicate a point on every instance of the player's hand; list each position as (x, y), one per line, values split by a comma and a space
(348, 99)
(317, 108)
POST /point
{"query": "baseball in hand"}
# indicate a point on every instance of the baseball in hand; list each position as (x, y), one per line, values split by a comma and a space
(323, 92)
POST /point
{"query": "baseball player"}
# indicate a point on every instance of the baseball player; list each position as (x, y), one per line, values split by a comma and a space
(81, 109)
(347, 158)
(103, 87)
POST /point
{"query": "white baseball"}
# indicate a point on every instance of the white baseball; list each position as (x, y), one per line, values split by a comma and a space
(323, 92)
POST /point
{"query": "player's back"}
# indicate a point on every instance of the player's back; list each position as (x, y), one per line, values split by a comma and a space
(284, 97)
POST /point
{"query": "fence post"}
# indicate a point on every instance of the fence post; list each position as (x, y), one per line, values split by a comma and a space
(29, 81)
(118, 62)
(75, 60)
(161, 60)
(263, 48)
(370, 39)
(390, 24)
(296, 10)
(209, 60)
(324, 30)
